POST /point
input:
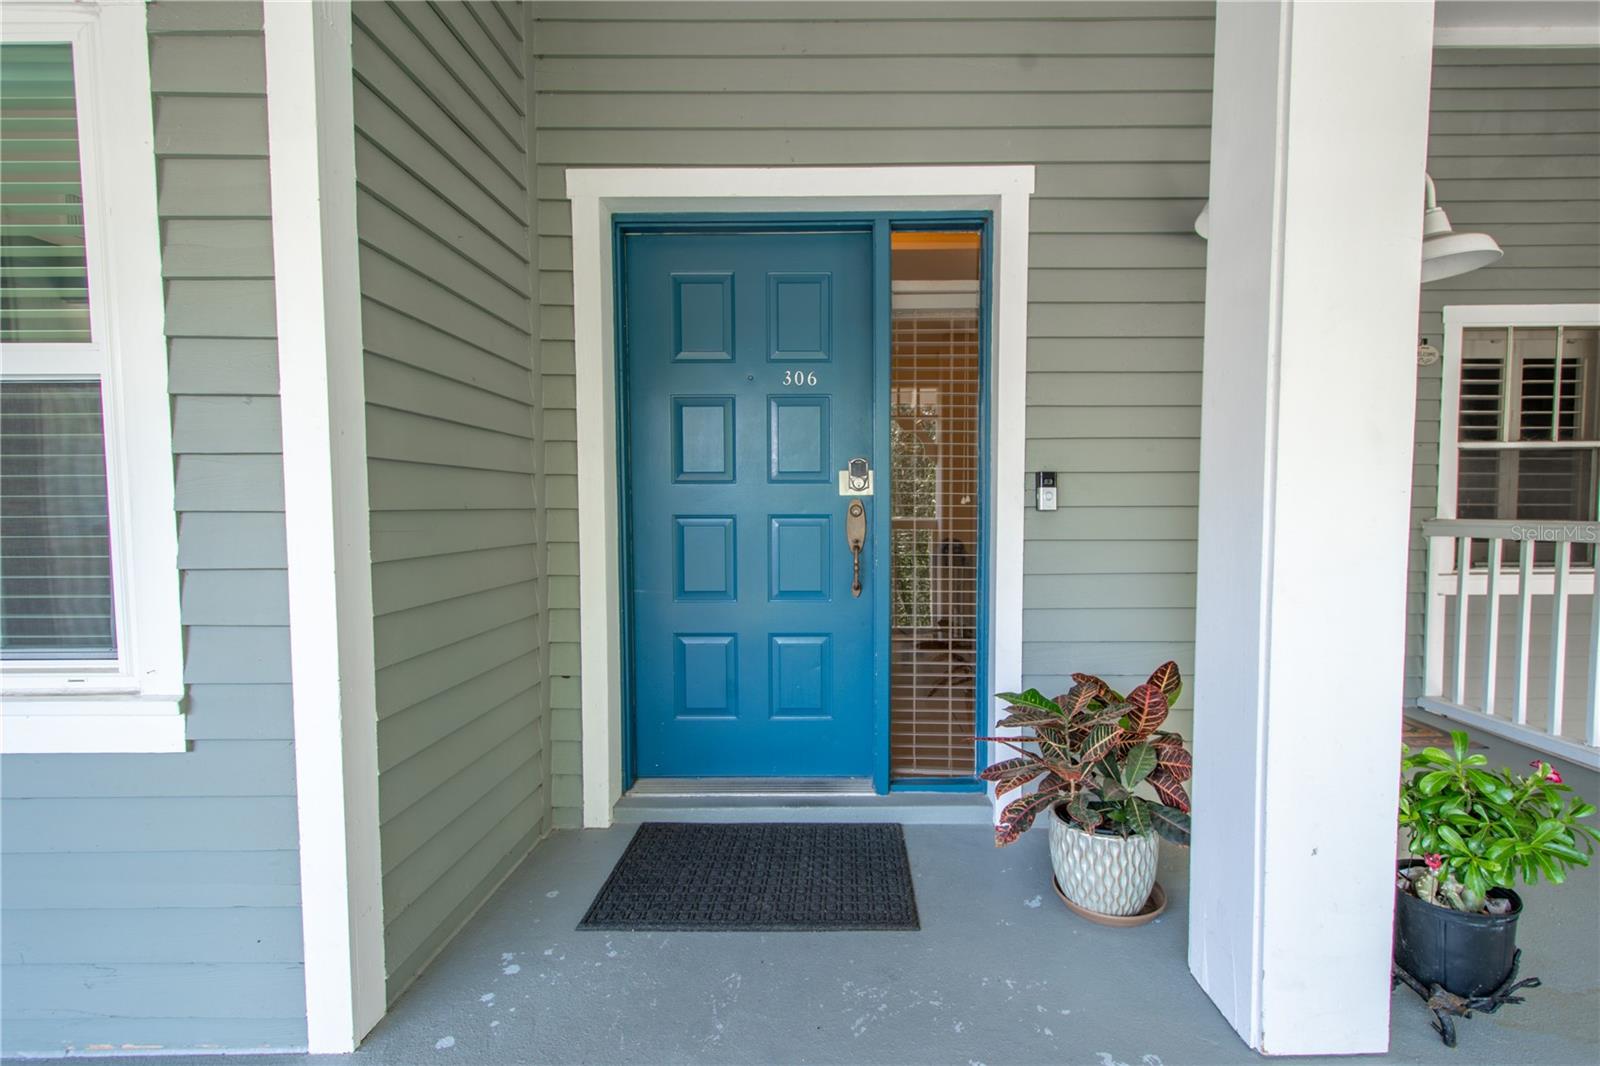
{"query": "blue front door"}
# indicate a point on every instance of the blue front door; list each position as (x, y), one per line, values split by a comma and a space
(749, 385)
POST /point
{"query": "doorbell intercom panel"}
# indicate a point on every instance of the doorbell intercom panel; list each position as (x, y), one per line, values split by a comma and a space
(1044, 488)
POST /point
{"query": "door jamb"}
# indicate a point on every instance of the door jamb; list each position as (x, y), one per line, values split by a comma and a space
(596, 197)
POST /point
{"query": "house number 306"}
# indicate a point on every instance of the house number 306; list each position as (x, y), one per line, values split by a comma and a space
(799, 378)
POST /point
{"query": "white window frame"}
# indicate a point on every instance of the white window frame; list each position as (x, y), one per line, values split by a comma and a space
(132, 703)
(1457, 320)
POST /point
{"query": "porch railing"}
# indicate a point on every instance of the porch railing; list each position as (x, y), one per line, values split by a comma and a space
(1511, 640)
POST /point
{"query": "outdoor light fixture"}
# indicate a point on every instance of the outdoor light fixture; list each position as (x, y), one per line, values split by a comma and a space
(1445, 253)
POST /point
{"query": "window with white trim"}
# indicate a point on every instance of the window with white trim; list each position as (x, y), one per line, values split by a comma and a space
(1526, 407)
(90, 641)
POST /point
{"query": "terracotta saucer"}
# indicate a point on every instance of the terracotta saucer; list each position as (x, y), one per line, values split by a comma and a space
(1151, 910)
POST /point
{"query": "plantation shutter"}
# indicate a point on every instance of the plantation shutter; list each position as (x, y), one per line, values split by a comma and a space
(44, 277)
(1524, 394)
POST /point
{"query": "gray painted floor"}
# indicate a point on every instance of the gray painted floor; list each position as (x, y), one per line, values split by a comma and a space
(1001, 973)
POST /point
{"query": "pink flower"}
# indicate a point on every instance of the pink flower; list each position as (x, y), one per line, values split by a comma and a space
(1434, 861)
(1551, 774)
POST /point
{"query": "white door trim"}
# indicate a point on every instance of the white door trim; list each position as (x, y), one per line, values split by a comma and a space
(311, 136)
(598, 194)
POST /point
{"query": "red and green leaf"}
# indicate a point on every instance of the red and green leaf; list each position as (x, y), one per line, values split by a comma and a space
(1169, 789)
(1083, 814)
(1173, 758)
(1054, 747)
(1136, 816)
(1028, 717)
(1101, 740)
(1031, 698)
(1099, 687)
(1147, 709)
(1011, 774)
(1137, 764)
(1080, 698)
(1166, 678)
(1061, 787)
(1018, 815)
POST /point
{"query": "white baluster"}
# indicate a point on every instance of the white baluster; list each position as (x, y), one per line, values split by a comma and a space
(1433, 623)
(1458, 694)
(1591, 733)
(1519, 704)
(1491, 629)
(1558, 638)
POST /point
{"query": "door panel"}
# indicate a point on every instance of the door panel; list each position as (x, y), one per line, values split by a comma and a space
(749, 386)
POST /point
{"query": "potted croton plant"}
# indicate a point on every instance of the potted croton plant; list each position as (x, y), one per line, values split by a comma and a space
(1473, 833)
(1111, 778)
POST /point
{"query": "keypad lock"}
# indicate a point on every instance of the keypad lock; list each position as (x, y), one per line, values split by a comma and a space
(855, 533)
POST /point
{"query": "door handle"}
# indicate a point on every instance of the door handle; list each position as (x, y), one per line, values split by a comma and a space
(855, 533)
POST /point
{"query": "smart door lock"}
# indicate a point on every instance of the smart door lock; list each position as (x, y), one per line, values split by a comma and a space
(856, 478)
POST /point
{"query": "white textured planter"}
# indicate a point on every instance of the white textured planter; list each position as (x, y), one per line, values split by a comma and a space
(1106, 874)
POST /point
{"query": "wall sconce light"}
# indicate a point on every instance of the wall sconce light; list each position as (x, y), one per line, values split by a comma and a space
(1445, 253)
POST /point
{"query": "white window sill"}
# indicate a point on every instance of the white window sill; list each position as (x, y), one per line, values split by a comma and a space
(41, 726)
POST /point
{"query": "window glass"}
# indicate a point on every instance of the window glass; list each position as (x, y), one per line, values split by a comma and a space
(55, 555)
(934, 380)
(44, 277)
(55, 546)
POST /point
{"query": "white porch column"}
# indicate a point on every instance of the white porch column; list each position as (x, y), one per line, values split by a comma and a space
(312, 170)
(1317, 153)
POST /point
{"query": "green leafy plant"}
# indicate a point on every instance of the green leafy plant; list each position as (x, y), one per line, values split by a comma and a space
(1477, 829)
(1092, 751)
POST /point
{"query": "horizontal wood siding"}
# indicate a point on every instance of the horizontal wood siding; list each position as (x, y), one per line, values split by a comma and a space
(453, 460)
(1111, 102)
(153, 901)
(1514, 149)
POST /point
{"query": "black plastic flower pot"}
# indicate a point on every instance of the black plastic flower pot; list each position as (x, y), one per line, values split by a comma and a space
(1468, 954)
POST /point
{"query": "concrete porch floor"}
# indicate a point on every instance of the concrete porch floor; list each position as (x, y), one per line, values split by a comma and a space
(1001, 973)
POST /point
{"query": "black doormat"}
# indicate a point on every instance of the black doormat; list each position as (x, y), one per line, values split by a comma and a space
(805, 876)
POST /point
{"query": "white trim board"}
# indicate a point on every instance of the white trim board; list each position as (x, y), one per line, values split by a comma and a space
(311, 136)
(596, 196)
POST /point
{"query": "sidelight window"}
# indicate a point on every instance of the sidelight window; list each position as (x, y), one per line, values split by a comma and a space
(936, 374)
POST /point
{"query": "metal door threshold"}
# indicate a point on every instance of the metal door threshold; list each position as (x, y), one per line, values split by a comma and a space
(752, 786)
(794, 800)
